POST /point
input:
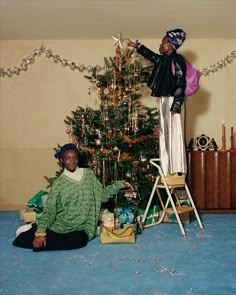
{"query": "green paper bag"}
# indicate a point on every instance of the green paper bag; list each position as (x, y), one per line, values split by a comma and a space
(36, 201)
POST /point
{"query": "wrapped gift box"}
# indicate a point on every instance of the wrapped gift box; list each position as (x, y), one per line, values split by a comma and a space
(184, 217)
(107, 218)
(29, 215)
(183, 197)
(152, 215)
(125, 215)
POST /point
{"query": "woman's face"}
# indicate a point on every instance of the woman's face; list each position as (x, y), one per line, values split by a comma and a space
(165, 46)
(70, 160)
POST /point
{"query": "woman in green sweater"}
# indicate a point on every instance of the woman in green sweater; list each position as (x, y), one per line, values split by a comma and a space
(71, 214)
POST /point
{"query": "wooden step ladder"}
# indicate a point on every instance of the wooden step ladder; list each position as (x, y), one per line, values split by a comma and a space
(170, 206)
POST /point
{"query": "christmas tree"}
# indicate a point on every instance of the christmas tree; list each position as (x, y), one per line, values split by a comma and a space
(118, 140)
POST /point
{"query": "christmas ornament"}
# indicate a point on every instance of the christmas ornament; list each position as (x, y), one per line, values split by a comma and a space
(98, 84)
(98, 142)
(128, 175)
(143, 157)
(106, 91)
(68, 131)
(156, 130)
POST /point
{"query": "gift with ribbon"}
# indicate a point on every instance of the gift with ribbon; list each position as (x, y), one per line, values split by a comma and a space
(125, 215)
(107, 218)
(152, 215)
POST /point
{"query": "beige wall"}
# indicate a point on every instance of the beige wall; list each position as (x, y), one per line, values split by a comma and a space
(35, 104)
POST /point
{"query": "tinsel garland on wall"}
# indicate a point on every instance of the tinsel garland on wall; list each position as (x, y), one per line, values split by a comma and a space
(43, 50)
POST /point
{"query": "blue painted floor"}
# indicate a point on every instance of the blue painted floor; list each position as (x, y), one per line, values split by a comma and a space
(161, 262)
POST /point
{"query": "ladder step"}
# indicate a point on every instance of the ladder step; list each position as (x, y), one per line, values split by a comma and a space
(174, 179)
(170, 186)
(180, 209)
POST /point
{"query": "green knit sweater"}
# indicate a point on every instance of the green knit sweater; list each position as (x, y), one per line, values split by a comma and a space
(75, 205)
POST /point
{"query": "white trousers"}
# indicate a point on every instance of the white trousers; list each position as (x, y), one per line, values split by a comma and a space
(171, 146)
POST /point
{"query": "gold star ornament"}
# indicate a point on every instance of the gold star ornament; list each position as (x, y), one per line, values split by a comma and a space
(119, 40)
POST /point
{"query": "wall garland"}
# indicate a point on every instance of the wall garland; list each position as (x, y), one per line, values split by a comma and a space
(29, 60)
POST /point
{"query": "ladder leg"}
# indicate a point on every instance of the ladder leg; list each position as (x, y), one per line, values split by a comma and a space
(173, 204)
(193, 205)
(175, 211)
(163, 206)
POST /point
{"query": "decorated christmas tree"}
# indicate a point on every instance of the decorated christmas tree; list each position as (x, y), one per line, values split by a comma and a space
(118, 140)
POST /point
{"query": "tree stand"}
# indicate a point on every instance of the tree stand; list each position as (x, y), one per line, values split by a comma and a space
(170, 184)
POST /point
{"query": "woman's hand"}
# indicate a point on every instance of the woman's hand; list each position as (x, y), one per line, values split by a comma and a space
(130, 43)
(39, 242)
(128, 185)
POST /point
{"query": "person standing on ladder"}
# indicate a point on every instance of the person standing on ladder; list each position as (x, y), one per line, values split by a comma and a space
(170, 88)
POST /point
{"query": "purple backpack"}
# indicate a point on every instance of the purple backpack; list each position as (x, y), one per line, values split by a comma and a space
(192, 78)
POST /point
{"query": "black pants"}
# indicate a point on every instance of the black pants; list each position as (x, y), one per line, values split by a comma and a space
(55, 241)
